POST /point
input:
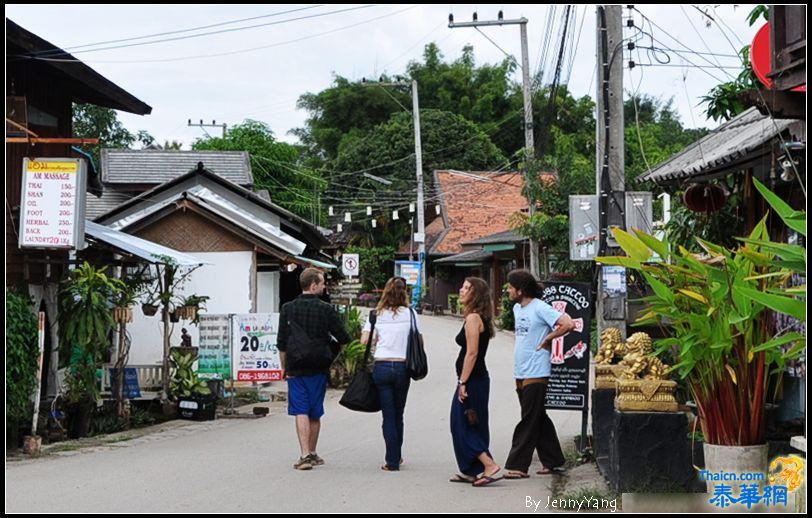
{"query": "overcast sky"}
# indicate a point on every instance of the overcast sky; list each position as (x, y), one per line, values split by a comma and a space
(260, 72)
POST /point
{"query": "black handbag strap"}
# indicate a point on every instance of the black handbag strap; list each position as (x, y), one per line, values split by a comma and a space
(373, 316)
(414, 320)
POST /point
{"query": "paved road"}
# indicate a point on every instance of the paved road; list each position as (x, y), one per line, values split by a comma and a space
(235, 465)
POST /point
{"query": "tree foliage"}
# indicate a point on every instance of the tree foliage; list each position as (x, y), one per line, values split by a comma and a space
(273, 163)
(91, 121)
(21, 356)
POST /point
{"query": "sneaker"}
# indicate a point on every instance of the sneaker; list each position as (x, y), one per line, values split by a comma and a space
(303, 464)
(315, 460)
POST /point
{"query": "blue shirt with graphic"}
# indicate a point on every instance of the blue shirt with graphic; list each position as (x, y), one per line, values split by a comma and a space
(533, 322)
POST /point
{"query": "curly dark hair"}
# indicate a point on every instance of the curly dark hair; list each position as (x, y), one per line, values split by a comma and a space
(480, 302)
(526, 283)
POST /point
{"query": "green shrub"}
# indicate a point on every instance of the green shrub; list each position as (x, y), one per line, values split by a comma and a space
(22, 351)
(506, 319)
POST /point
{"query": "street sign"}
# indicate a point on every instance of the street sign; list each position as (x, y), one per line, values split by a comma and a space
(350, 264)
(569, 382)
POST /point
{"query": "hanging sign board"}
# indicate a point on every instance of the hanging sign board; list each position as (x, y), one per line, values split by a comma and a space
(52, 210)
(253, 347)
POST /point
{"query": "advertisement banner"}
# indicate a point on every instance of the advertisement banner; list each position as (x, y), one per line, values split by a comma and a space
(253, 347)
(569, 382)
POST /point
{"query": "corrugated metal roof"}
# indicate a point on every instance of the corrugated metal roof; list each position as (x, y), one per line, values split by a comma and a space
(110, 200)
(147, 250)
(156, 166)
(737, 140)
(508, 236)
(471, 256)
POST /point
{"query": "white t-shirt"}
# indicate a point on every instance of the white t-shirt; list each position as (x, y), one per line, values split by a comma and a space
(393, 332)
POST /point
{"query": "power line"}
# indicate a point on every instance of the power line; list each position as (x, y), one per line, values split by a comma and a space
(72, 48)
(231, 53)
(178, 38)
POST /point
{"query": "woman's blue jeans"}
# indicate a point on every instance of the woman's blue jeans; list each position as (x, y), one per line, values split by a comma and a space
(393, 387)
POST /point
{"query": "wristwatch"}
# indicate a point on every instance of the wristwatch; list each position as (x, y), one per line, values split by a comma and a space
(460, 382)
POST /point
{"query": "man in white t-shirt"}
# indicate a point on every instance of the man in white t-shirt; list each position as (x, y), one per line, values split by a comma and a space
(537, 324)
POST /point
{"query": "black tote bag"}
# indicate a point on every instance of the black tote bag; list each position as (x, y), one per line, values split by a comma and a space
(417, 365)
(362, 394)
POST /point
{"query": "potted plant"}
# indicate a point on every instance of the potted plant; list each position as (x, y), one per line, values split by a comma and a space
(84, 325)
(189, 306)
(720, 307)
(194, 397)
(452, 303)
(122, 310)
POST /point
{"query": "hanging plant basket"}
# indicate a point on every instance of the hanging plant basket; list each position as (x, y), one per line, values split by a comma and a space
(122, 315)
(187, 312)
(149, 309)
(173, 316)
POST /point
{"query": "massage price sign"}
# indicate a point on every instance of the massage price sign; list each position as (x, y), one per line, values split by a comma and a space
(52, 211)
(253, 345)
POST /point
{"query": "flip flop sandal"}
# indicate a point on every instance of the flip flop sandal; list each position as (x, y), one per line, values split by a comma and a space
(515, 475)
(462, 479)
(486, 480)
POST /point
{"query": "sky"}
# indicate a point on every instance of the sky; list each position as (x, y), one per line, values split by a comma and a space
(260, 72)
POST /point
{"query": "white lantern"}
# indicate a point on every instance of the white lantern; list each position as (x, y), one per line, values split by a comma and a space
(369, 210)
(395, 215)
(411, 207)
(374, 223)
(437, 209)
(339, 228)
(330, 210)
(347, 217)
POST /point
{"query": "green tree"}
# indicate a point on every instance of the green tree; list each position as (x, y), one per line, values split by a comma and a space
(724, 100)
(274, 164)
(91, 121)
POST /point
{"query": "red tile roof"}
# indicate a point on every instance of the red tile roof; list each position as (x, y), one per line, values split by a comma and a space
(476, 205)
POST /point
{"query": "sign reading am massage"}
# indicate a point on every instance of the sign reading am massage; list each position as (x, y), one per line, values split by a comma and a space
(52, 212)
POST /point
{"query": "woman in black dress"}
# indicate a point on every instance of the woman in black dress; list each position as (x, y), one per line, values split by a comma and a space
(469, 406)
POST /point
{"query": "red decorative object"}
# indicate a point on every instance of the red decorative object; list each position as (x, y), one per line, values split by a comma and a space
(761, 58)
(704, 197)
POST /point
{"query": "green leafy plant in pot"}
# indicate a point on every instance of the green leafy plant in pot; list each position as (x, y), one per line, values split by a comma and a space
(719, 306)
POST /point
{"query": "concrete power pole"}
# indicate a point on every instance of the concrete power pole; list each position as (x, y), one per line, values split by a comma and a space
(529, 151)
(610, 175)
(421, 222)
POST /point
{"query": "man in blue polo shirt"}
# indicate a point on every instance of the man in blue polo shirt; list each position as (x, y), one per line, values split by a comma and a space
(537, 324)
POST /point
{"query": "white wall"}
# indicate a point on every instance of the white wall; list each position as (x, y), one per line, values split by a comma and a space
(267, 292)
(227, 281)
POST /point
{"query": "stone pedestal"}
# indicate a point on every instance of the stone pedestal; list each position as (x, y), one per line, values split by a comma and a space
(603, 411)
(649, 453)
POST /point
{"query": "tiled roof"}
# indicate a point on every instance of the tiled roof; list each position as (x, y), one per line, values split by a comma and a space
(475, 205)
(740, 139)
(154, 167)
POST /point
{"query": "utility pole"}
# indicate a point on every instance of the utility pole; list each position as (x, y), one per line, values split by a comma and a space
(529, 151)
(610, 176)
(418, 153)
(421, 221)
(213, 124)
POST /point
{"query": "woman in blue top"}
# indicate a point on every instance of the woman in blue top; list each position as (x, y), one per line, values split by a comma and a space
(469, 405)
(537, 324)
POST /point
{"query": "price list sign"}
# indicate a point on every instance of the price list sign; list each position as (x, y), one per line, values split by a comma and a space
(52, 213)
